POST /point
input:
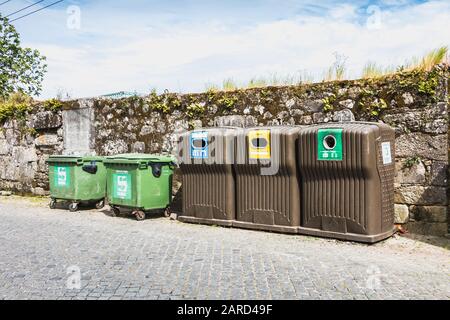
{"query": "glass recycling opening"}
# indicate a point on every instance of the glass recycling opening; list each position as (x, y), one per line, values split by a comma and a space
(329, 142)
(199, 143)
(259, 143)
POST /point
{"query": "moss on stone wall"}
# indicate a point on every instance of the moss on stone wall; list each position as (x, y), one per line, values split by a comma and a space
(52, 105)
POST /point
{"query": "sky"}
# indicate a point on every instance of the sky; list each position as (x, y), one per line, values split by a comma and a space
(98, 47)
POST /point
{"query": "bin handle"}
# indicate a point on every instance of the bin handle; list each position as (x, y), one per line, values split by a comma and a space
(90, 168)
(172, 165)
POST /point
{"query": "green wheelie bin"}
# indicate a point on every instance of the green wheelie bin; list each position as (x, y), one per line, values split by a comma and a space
(77, 179)
(140, 183)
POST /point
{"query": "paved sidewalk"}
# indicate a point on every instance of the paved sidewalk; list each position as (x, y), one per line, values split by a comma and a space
(120, 258)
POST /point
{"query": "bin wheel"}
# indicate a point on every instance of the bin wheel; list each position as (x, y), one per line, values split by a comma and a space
(52, 204)
(73, 207)
(99, 205)
(139, 214)
(167, 212)
(115, 211)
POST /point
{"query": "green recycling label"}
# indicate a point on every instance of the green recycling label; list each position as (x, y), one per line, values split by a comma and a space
(122, 185)
(329, 144)
(62, 176)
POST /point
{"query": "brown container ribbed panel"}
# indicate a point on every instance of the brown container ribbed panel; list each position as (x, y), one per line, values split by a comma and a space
(353, 196)
(268, 200)
(387, 176)
(208, 187)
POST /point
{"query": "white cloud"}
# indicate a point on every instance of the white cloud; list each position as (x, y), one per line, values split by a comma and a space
(186, 56)
(344, 12)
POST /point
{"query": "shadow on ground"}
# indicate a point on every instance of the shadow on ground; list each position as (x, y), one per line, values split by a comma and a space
(442, 242)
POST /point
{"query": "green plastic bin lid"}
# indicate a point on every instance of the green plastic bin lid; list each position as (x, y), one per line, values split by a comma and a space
(138, 158)
(73, 159)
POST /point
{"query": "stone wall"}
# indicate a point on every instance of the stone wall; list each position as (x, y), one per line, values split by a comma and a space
(24, 146)
(414, 103)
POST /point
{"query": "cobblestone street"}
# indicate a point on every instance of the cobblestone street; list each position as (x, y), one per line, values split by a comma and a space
(120, 258)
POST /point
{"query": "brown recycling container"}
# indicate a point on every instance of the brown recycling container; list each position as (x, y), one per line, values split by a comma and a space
(206, 159)
(267, 184)
(347, 172)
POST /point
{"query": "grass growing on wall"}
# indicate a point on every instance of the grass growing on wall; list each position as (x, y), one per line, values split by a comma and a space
(229, 85)
(428, 61)
(16, 105)
(338, 71)
(372, 70)
(271, 79)
(425, 63)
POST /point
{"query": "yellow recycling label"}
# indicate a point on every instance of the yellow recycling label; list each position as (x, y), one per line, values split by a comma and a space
(259, 144)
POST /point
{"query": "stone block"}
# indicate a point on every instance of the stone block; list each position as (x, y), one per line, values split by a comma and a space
(320, 117)
(353, 92)
(420, 195)
(259, 109)
(407, 98)
(401, 213)
(160, 127)
(296, 112)
(138, 147)
(292, 103)
(439, 171)
(86, 103)
(113, 147)
(283, 115)
(406, 121)
(431, 119)
(267, 115)
(250, 121)
(39, 191)
(236, 121)
(410, 175)
(179, 126)
(79, 128)
(12, 137)
(428, 228)
(42, 166)
(145, 130)
(343, 116)
(349, 103)
(212, 109)
(46, 120)
(437, 126)
(10, 172)
(48, 139)
(5, 148)
(429, 213)
(28, 171)
(423, 145)
(314, 105)
(23, 155)
(104, 133)
(306, 120)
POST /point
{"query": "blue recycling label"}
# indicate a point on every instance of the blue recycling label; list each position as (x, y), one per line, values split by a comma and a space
(199, 145)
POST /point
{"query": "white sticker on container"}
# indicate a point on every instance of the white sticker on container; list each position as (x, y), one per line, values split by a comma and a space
(386, 151)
